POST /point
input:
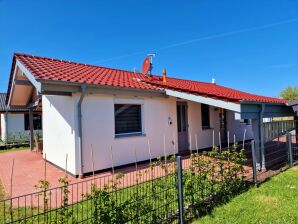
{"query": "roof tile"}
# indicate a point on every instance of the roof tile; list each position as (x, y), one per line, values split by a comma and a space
(54, 69)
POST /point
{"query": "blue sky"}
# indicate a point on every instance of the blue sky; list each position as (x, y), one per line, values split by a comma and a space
(249, 45)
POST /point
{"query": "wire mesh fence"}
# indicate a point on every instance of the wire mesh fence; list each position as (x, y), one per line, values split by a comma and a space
(279, 154)
(153, 193)
(214, 177)
(145, 194)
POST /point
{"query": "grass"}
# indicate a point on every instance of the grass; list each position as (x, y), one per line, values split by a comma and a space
(13, 149)
(275, 201)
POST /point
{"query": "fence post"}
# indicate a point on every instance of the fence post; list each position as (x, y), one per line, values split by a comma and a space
(180, 190)
(254, 162)
(290, 149)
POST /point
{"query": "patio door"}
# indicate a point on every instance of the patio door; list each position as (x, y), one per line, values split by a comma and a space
(182, 125)
(223, 125)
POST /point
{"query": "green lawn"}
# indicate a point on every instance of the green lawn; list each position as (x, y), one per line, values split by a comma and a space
(13, 149)
(275, 201)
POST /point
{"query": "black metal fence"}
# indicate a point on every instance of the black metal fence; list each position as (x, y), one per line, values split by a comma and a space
(144, 195)
(279, 153)
(168, 190)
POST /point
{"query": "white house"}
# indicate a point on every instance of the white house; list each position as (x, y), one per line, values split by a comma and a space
(86, 106)
(14, 122)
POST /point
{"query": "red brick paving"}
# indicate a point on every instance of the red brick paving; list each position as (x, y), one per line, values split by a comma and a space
(28, 169)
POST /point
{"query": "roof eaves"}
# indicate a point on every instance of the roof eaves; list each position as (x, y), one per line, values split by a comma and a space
(293, 102)
(79, 84)
(261, 102)
(165, 86)
(10, 78)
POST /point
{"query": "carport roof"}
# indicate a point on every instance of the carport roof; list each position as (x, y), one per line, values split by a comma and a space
(44, 69)
(5, 108)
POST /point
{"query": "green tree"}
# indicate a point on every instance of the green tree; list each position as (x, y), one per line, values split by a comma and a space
(290, 93)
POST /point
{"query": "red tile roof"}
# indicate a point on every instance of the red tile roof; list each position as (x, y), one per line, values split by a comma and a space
(211, 90)
(53, 69)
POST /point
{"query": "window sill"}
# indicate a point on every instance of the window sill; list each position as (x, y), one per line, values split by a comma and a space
(130, 135)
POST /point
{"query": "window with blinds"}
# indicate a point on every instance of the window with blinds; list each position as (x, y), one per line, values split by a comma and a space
(128, 119)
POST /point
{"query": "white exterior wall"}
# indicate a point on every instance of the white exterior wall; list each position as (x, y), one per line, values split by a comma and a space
(195, 126)
(205, 136)
(98, 130)
(60, 125)
(59, 131)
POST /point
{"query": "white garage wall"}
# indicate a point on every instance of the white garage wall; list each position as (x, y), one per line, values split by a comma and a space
(59, 133)
(98, 130)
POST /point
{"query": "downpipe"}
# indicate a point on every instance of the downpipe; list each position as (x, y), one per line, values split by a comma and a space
(83, 93)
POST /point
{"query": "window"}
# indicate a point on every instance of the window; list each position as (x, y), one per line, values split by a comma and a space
(222, 118)
(182, 117)
(205, 116)
(37, 123)
(245, 121)
(179, 118)
(128, 119)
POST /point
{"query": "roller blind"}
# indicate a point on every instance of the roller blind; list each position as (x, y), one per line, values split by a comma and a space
(128, 119)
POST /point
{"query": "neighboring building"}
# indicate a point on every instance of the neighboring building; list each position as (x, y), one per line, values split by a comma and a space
(14, 122)
(86, 106)
(294, 105)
